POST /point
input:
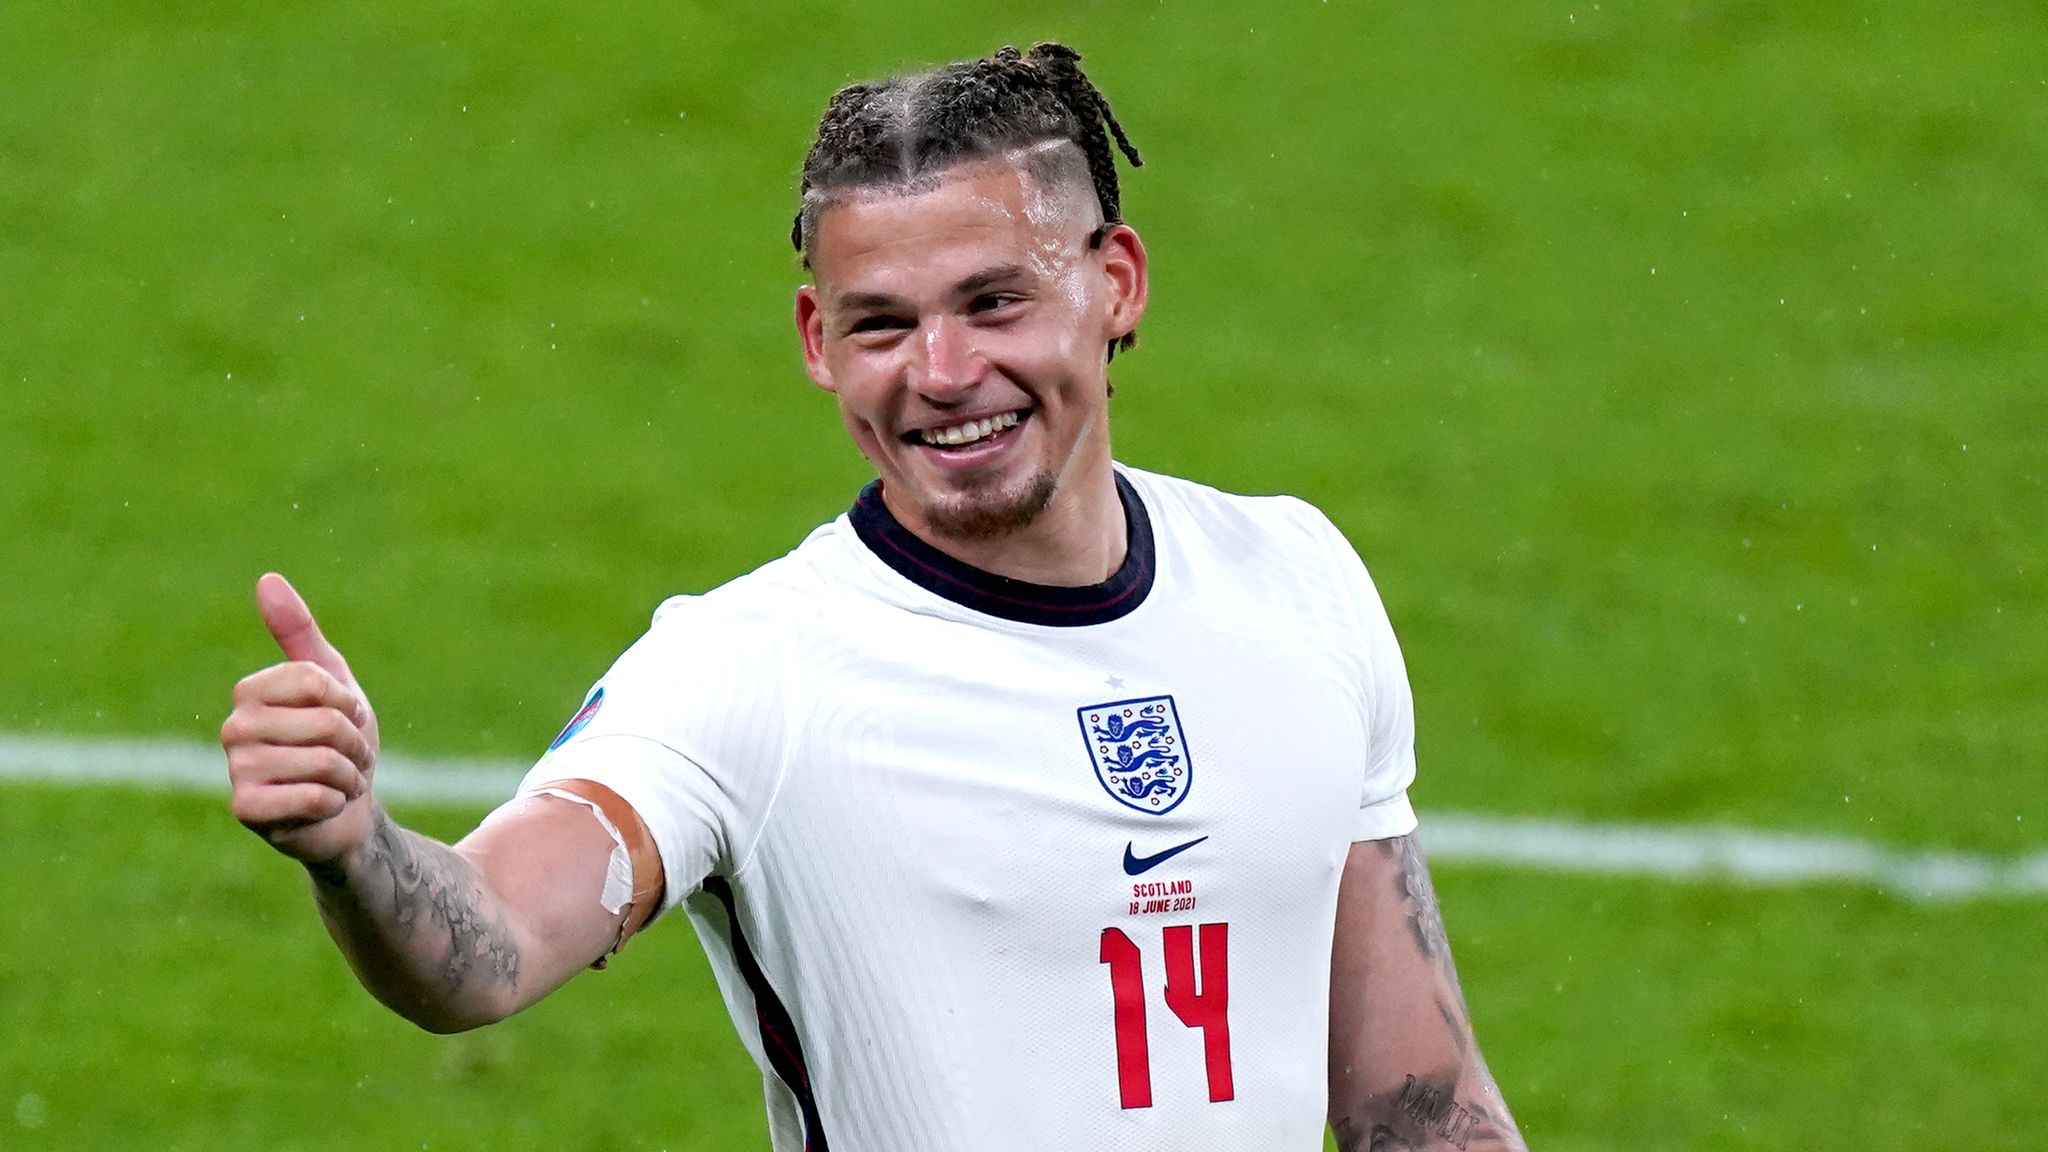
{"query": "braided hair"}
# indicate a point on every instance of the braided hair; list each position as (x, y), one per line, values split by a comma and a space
(906, 129)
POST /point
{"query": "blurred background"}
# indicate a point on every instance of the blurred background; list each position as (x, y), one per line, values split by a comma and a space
(1677, 368)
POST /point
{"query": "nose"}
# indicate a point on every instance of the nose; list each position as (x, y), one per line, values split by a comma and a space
(946, 363)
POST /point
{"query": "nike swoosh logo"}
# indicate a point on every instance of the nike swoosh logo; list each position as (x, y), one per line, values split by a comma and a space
(1134, 865)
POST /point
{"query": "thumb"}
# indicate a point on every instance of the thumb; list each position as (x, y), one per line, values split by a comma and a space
(291, 624)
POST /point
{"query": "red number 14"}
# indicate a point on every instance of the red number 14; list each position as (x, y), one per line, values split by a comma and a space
(1203, 1004)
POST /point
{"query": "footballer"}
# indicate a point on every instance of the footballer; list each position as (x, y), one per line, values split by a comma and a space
(1036, 802)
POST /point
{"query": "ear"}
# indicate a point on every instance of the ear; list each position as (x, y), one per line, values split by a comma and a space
(1123, 270)
(810, 329)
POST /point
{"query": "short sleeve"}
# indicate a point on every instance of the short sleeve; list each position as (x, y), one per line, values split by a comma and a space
(1383, 807)
(686, 727)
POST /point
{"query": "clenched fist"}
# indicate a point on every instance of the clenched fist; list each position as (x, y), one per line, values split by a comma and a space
(302, 741)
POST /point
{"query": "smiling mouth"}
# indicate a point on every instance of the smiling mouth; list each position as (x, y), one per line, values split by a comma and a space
(968, 433)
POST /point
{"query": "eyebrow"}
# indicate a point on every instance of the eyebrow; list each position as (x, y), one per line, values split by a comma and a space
(989, 278)
(868, 301)
(984, 279)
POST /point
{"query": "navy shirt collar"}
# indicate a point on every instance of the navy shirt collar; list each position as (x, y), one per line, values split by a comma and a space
(1020, 600)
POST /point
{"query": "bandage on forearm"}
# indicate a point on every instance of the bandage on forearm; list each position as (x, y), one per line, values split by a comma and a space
(633, 875)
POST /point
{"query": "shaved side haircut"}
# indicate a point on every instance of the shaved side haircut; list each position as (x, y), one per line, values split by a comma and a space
(902, 132)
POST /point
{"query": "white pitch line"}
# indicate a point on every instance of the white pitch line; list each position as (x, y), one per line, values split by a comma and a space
(186, 767)
(1677, 852)
(1741, 855)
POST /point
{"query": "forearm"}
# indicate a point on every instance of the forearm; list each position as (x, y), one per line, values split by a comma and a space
(423, 931)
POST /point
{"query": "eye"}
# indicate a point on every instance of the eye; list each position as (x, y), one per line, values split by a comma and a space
(993, 301)
(878, 323)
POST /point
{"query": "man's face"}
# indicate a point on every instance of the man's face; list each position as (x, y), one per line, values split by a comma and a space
(963, 326)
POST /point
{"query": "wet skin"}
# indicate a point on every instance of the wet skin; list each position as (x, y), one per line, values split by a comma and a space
(977, 295)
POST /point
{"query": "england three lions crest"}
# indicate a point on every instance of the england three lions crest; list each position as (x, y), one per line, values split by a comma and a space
(1139, 753)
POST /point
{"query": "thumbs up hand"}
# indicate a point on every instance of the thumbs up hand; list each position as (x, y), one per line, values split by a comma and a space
(301, 741)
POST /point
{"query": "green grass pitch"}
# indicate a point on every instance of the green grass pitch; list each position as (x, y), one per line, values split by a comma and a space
(1677, 368)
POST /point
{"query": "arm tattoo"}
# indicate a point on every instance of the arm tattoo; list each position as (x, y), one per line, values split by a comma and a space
(423, 892)
(1425, 919)
(1426, 1111)
(1436, 1113)
(1426, 924)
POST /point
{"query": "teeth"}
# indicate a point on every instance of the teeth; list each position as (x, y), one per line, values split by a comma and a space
(971, 431)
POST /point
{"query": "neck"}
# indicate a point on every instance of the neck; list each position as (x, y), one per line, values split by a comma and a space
(1079, 540)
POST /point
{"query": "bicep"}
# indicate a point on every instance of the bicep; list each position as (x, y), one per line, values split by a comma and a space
(546, 860)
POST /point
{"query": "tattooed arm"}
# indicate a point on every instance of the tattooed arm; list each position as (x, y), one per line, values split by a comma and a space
(455, 937)
(1405, 1071)
(450, 938)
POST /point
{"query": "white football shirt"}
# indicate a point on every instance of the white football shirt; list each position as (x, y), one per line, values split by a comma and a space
(989, 865)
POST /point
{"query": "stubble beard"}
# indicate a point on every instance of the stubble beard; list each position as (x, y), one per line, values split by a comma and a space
(994, 511)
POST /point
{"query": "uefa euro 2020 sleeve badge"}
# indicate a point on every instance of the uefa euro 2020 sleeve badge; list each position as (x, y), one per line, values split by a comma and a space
(581, 720)
(1139, 753)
